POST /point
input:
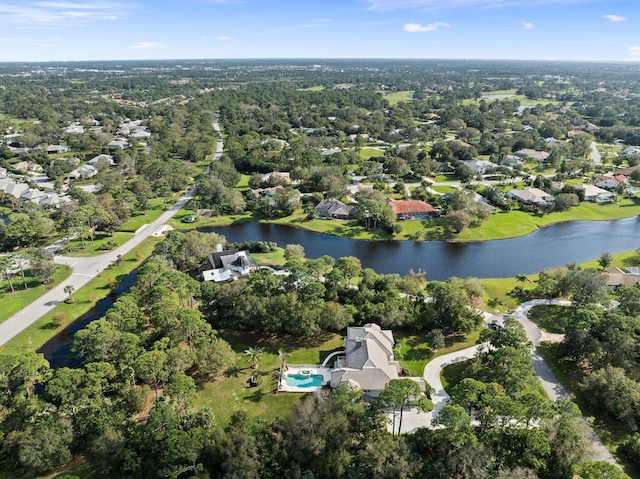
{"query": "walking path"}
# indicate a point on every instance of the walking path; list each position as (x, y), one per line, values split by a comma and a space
(412, 419)
(84, 269)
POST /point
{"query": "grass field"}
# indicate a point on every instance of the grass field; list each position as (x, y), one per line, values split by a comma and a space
(519, 223)
(243, 184)
(11, 303)
(395, 97)
(230, 392)
(16, 122)
(368, 153)
(524, 101)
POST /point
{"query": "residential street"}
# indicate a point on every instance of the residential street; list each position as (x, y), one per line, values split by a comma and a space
(84, 269)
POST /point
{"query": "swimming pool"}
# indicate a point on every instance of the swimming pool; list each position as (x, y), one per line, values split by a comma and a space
(305, 381)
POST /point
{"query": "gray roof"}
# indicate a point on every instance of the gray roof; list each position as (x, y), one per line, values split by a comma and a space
(368, 358)
(333, 208)
(230, 258)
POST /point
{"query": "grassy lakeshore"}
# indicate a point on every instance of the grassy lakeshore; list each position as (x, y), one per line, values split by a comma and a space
(501, 225)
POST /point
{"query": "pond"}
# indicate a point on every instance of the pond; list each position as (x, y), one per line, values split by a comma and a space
(553, 246)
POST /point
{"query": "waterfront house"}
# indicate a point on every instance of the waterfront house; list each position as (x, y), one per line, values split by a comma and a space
(531, 196)
(611, 181)
(229, 265)
(336, 209)
(596, 194)
(412, 210)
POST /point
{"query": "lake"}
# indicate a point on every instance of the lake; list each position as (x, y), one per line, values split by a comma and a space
(553, 246)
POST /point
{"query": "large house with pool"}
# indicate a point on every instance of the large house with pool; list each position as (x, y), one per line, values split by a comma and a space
(366, 362)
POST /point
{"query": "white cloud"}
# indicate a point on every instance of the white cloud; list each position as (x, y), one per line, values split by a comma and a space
(385, 5)
(37, 14)
(634, 52)
(145, 45)
(417, 27)
(223, 38)
(528, 25)
(615, 18)
(323, 22)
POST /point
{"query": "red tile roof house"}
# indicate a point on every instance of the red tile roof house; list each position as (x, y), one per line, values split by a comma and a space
(412, 210)
(610, 182)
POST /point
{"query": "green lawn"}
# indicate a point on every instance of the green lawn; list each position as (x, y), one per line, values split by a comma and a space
(368, 153)
(496, 297)
(16, 122)
(524, 101)
(519, 223)
(445, 189)
(454, 373)
(14, 302)
(156, 208)
(243, 184)
(551, 318)
(395, 97)
(101, 244)
(86, 297)
(414, 353)
(230, 392)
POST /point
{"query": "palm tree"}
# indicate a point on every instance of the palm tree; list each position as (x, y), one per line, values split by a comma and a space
(69, 289)
(522, 278)
(6, 265)
(254, 354)
(282, 356)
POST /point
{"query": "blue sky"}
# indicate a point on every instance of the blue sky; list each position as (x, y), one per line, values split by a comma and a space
(599, 30)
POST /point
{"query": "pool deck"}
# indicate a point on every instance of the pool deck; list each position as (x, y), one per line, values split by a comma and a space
(298, 369)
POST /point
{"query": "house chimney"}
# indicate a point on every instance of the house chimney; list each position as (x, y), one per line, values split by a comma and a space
(219, 248)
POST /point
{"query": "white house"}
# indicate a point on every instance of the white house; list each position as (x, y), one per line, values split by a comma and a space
(229, 265)
(96, 159)
(118, 144)
(480, 166)
(84, 172)
(55, 149)
(33, 194)
(533, 154)
(74, 129)
(611, 181)
(596, 194)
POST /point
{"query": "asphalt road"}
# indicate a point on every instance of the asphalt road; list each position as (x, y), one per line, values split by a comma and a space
(84, 269)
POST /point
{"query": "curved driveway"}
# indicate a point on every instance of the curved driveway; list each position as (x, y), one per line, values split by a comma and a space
(84, 269)
(552, 387)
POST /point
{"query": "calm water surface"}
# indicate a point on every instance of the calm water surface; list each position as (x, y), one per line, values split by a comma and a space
(554, 246)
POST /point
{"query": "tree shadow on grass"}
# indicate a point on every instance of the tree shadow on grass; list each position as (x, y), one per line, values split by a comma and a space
(240, 340)
(418, 354)
(49, 326)
(256, 396)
